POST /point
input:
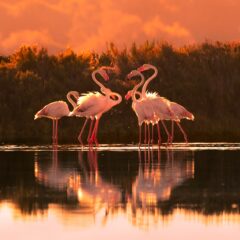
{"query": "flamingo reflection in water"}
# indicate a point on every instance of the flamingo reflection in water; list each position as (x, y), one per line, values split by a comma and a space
(153, 187)
(94, 190)
(56, 176)
(156, 182)
(81, 183)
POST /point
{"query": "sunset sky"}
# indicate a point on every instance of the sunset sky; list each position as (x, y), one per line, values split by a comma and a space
(89, 24)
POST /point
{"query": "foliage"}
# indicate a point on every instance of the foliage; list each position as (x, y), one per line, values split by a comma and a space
(204, 78)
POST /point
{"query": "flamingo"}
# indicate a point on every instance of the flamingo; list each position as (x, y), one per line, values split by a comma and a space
(161, 106)
(75, 102)
(140, 107)
(54, 111)
(178, 111)
(92, 105)
(147, 112)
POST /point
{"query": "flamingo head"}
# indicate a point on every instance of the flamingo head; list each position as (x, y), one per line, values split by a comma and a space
(36, 117)
(128, 95)
(41, 113)
(103, 73)
(145, 67)
(133, 73)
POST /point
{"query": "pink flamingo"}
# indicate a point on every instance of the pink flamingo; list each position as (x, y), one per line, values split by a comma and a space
(92, 105)
(54, 111)
(146, 111)
(180, 113)
(177, 110)
(138, 104)
(75, 99)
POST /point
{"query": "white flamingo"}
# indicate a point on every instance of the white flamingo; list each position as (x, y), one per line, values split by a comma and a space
(92, 105)
(54, 111)
(58, 109)
(148, 113)
(178, 111)
(75, 99)
(140, 106)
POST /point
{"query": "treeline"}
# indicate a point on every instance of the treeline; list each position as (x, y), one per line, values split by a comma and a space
(205, 78)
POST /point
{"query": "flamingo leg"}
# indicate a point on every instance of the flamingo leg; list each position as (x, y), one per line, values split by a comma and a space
(148, 128)
(81, 132)
(90, 131)
(159, 134)
(167, 132)
(56, 132)
(183, 132)
(145, 133)
(94, 133)
(172, 131)
(53, 132)
(152, 140)
(140, 135)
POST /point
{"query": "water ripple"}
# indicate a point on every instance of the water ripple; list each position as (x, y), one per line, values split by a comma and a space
(197, 146)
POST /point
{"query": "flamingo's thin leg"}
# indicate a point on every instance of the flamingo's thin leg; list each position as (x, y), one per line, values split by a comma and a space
(183, 132)
(81, 132)
(140, 135)
(167, 132)
(159, 135)
(90, 131)
(56, 131)
(148, 128)
(145, 133)
(92, 137)
(53, 131)
(96, 131)
(172, 131)
(152, 140)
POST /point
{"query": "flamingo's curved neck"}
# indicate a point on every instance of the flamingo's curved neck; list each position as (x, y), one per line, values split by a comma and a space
(119, 97)
(71, 95)
(149, 80)
(97, 82)
(139, 94)
(134, 91)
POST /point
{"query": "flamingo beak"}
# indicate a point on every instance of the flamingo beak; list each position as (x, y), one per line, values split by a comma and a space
(106, 77)
(141, 69)
(127, 96)
(129, 76)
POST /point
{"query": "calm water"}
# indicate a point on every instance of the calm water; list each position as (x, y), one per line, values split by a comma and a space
(119, 192)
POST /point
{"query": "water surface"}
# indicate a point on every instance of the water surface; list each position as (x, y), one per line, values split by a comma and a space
(119, 191)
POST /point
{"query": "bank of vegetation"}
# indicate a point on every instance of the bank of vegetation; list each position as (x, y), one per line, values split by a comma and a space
(205, 78)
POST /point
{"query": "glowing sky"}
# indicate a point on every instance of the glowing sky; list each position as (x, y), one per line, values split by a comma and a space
(89, 24)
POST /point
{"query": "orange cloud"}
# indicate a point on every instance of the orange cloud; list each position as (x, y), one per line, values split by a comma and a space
(27, 37)
(85, 25)
(109, 24)
(155, 25)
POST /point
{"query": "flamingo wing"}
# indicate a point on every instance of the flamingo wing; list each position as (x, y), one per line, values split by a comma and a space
(181, 112)
(54, 110)
(90, 105)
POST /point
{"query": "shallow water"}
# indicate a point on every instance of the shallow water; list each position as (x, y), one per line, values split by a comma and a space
(120, 192)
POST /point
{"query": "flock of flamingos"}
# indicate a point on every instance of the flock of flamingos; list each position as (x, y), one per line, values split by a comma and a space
(150, 108)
